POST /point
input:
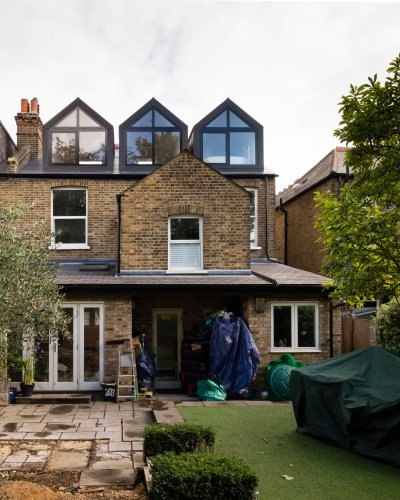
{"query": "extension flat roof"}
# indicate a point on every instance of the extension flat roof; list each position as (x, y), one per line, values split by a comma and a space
(264, 273)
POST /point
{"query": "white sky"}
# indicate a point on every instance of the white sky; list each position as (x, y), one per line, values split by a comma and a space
(286, 63)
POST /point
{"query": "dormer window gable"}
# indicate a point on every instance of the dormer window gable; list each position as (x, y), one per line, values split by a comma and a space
(151, 137)
(78, 137)
(229, 139)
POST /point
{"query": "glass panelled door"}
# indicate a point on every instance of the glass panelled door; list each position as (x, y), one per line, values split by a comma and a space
(90, 372)
(65, 355)
(167, 328)
(74, 362)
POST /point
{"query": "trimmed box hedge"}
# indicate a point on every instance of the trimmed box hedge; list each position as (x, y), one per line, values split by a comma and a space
(179, 438)
(201, 476)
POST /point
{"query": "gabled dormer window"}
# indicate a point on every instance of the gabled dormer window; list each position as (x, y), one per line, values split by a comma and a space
(229, 139)
(152, 140)
(78, 140)
(151, 137)
(77, 136)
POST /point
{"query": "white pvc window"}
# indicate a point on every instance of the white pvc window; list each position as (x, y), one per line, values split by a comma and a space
(253, 216)
(185, 243)
(69, 218)
(294, 326)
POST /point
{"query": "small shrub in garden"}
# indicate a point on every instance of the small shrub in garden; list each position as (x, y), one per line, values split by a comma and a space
(179, 438)
(387, 326)
(201, 476)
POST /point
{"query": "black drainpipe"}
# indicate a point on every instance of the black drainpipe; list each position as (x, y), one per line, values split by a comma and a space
(285, 259)
(119, 196)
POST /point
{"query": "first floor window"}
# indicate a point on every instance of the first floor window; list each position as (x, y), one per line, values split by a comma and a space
(253, 216)
(69, 218)
(295, 326)
(185, 243)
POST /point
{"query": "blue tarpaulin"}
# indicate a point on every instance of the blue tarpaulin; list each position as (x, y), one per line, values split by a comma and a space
(234, 356)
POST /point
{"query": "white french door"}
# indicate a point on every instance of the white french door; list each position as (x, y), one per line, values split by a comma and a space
(167, 337)
(75, 363)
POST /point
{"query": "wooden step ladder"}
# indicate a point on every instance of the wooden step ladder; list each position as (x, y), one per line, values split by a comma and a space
(126, 373)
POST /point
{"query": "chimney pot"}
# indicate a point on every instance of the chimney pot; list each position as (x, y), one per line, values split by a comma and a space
(35, 105)
(24, 106)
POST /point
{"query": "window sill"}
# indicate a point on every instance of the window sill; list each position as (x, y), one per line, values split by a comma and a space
(296, 350)
(69, 247)
(255, 248)
(186, 271)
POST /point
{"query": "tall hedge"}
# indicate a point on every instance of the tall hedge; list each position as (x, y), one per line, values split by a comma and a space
(387, 326)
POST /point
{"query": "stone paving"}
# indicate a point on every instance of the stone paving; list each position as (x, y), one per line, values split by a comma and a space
(103, 440)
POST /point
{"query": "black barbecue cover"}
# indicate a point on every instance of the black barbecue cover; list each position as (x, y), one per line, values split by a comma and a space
(353, 401)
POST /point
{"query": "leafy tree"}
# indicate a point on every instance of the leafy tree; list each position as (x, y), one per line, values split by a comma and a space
(360, 228)
(30, 300)
(387, 326)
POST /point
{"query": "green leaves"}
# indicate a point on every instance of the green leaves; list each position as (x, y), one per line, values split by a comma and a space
(30, 300)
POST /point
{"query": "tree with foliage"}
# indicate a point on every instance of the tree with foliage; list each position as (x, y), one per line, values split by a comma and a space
(387, 326)
(360, 228)
(30, 299)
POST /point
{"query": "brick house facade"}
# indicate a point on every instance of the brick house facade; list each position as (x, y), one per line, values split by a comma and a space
(296, 236)
(154, 239)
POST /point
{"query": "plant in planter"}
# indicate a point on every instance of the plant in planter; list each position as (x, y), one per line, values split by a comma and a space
(28, 381)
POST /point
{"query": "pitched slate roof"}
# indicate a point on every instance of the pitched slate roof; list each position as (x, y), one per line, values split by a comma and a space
(333, 163)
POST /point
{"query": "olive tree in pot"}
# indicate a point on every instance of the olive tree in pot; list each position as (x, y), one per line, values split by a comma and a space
(30, 300)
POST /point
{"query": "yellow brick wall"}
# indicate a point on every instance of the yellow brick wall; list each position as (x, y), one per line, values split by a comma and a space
(185, 185)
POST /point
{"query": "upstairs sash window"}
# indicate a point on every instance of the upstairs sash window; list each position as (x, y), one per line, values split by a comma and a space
(185, 243)
(69, 218)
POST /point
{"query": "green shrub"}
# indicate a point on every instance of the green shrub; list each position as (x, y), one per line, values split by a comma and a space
(201, 476)
(179, 438)
(387, 326)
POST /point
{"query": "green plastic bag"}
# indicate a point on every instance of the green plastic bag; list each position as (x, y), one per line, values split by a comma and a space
(209, 390)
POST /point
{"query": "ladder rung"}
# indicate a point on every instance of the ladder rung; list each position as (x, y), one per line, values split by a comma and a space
(126, 375)
(126, 386)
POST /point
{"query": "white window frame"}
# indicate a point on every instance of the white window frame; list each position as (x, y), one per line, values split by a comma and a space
(172, 242)
(294, 333)
(69, 246)
(254, 244)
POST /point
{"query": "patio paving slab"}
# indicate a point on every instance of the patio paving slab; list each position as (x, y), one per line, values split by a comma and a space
(73, 436)
(68, 460)
(108, 477)
(120, 446)
(50, 436)
(6, 419)
(12, 436)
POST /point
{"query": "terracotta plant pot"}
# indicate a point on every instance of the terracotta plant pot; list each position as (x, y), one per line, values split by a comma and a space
(27, 390)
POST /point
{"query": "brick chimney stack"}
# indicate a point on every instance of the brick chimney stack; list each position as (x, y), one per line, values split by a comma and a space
(30, 127)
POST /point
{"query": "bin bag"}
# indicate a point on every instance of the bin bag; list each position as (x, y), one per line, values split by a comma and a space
(146, 366)
(353, 401)
(209, 390)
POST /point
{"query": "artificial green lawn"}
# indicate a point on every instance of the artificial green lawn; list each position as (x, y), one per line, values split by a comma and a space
(265, 436)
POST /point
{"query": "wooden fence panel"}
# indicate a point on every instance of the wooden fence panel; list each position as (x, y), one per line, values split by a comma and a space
(347, 335)
(356, 334)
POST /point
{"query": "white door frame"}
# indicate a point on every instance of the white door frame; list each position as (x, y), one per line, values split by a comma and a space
(78, 382)
(168, 384)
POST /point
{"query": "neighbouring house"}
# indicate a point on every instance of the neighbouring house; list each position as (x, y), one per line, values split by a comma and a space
(156, 233)
(7, 145)
(296, 236)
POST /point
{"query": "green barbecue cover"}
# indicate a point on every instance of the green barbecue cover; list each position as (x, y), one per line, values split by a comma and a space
(352, 400)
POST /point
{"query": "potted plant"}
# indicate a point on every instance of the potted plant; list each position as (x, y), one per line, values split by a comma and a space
(28, 379)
